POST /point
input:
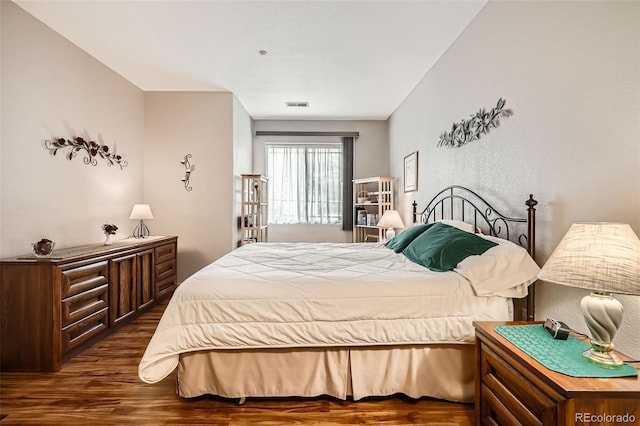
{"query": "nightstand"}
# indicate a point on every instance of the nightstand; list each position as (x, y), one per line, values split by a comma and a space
(512, 389)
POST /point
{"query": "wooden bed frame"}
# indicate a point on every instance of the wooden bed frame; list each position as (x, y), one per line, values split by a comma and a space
(459, 203)
(444, 371)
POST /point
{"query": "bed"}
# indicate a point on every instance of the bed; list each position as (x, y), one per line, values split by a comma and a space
(356, 319)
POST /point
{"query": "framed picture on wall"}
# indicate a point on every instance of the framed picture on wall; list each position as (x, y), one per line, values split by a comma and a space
(411, 172)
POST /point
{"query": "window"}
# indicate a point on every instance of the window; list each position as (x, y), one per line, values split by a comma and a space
(305, 183)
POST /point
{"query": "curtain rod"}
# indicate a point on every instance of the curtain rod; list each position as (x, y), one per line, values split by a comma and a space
(297, 133)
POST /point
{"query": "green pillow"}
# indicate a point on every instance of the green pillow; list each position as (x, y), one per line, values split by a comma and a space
(441, 247)
(403, 239)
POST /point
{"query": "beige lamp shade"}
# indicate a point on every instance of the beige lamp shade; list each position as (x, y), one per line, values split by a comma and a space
(391, 219)
(603, 257)
(141, 211)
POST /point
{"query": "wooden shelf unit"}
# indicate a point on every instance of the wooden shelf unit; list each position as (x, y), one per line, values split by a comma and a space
(513, 388)
(52, 308)
(254, 226)
(380, 193)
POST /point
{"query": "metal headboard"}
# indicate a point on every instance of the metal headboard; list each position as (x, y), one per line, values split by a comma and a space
(460, 203)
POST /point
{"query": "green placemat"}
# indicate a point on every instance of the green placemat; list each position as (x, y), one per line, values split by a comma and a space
(562, 356)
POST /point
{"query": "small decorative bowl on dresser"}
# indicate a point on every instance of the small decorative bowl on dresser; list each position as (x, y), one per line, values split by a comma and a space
(44, 247)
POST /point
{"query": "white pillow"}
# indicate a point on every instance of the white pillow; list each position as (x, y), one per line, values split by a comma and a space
(458, 224)
(503, 270)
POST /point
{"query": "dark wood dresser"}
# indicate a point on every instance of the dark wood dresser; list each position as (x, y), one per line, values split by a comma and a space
(512, 388)
(52, 308)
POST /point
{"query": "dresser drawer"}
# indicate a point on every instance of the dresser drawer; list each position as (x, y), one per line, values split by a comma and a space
(81, 305)
(79, 332)
(165, 286)
(165, 270)
(165, 253)
(83, 278)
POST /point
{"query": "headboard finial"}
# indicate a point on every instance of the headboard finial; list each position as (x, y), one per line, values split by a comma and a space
(531, 222)
(531, 202)
(415, 211)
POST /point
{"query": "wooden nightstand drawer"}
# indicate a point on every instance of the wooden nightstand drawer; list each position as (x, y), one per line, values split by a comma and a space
(81, 305)
(508, 395)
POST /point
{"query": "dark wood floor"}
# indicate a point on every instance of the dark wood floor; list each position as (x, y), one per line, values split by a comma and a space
(101, 387)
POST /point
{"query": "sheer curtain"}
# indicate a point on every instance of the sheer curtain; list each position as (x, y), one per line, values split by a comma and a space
(305, 183)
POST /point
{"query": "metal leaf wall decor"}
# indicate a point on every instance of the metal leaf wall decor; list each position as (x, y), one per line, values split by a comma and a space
(92, 149)
(471, 129)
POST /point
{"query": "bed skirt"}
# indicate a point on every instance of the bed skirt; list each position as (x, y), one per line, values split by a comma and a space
(444, 371)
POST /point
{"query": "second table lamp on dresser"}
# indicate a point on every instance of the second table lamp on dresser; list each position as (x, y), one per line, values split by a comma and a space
(141, 212)
(605, 258)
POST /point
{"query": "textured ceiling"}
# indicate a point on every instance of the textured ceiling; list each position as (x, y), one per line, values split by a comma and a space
(348, 59)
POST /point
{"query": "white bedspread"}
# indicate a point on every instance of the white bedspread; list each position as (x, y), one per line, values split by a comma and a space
(313, 295)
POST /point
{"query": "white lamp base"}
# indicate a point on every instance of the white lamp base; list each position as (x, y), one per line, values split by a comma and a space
(603, 315)
(389, 234)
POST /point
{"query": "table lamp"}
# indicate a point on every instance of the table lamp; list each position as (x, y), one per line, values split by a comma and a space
(141, 212)
(604, 258)
(390, 219)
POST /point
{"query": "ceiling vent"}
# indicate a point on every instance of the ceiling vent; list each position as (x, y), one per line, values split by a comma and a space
(298, 104)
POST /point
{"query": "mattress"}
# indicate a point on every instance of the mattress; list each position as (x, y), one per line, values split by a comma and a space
(286, 295)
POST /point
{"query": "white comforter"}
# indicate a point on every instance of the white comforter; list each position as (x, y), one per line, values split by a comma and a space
(308, 295)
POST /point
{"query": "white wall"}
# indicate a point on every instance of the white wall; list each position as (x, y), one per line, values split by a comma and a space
(51, 88)
(200, 124)
(242, 161)
(370, 159)
(570, 73)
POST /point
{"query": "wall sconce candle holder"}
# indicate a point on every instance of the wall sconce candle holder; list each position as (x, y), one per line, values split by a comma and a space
(187, 174)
